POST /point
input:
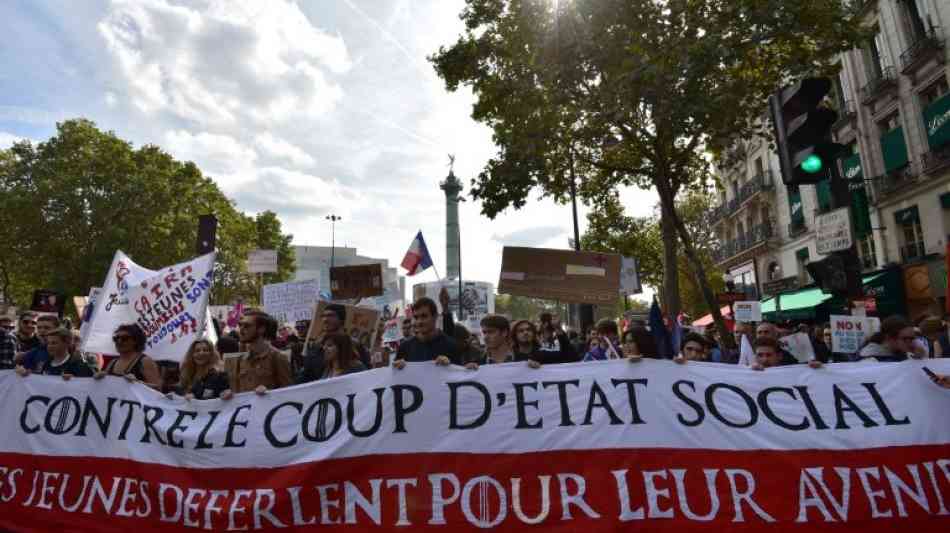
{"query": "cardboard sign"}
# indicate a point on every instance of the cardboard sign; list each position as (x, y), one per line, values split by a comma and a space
(291, 301)
(747, 311)
(356, 281)
(48, 301)
(262, 261)
(564, 275)
(360, 324)
(849, 333)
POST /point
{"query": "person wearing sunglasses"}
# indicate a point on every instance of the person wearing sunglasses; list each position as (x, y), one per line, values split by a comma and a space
(26, 332)
(132, 364)
(895, 342)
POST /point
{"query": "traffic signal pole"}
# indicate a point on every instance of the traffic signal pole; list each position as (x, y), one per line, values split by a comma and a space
(841, 197)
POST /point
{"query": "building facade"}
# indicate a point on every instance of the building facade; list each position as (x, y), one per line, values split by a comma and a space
(893, 104)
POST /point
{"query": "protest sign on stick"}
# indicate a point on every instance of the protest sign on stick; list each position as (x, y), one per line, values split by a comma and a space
(849, 333)
(169, 304)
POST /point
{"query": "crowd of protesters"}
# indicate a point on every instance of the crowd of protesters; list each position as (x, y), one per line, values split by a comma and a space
(250, 358)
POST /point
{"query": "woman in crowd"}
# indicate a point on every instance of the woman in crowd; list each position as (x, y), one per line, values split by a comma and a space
(893, 343)
(132, 364)
(202, 374)
(637, 343)
(339, 357)
(524, 340)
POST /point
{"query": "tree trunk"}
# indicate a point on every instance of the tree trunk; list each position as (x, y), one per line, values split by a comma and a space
(671, 286)
(699, 272)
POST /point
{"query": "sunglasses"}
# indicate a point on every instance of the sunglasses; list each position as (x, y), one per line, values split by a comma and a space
(907, 339)
(120, 338)
(245, 325)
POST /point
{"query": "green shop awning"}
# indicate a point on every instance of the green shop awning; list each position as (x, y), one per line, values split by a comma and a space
(945, 200)
(811, 304)
(894, 148)
(794, 301)
(937, 121)
(851, 167)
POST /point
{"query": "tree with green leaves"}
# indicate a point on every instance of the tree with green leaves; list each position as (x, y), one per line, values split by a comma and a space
(630, 92)
(610, 229)
(68, 203)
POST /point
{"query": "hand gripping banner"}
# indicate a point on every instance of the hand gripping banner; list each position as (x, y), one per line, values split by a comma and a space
(609, 446)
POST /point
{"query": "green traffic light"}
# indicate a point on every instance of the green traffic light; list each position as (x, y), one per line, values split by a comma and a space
(812, 164)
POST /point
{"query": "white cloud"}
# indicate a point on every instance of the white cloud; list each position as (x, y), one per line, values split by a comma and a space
(282, 149)
(7, 139)
(218, 62)
(220, 156)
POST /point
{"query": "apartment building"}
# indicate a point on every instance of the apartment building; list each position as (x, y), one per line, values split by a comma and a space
(894, 115)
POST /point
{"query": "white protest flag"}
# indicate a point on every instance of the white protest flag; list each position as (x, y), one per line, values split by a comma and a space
(169, 304)
(746, 353)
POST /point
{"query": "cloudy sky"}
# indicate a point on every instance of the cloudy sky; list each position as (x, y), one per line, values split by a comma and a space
(305, 108)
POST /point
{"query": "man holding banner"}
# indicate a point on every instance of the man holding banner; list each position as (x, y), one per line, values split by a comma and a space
(261, 368)
(429, 344)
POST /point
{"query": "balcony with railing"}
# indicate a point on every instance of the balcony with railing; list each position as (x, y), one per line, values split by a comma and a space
(797, 228)
(754, 237)
(936, 159)
(884, 82)
(894, 182)
(927, 45)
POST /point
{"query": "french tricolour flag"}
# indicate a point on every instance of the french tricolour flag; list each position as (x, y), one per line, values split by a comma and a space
(417, 257)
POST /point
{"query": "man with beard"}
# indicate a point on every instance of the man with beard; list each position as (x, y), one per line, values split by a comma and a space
(262, 368)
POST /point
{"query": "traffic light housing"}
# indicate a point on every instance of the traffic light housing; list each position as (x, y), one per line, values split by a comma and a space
(837, 275)
(803, 131)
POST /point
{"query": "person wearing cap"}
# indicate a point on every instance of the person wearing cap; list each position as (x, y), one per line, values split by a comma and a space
(26, 337)
(333, 318)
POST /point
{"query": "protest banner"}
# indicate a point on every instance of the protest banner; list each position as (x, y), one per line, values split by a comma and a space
(577, 447)
(360, 325)
(564, 275)
(291, 301)
(87, 312)
(848, 333)
(169, 304)
(356, 281)
(799, 345)
(747, 311)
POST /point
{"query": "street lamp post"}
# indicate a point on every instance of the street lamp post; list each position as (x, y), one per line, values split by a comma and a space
(333, 220)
